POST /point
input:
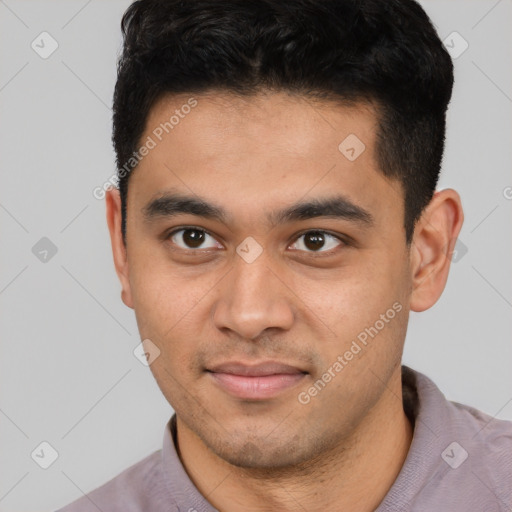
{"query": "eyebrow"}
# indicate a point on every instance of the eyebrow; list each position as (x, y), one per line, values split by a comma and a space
(170, 205)
(338, 207)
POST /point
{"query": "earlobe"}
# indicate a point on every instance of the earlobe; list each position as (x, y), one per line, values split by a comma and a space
(433, 243)
(119, 252)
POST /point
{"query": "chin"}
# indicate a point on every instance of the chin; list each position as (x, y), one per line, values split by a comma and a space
(267, 454)
(259, 456)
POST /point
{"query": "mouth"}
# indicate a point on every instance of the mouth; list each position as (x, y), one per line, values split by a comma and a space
(256, 382)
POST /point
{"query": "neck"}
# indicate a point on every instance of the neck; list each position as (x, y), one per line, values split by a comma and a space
(356, 476)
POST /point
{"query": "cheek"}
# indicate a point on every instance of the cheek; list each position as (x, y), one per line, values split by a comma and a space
(161, 311)
(171, 310)
(352, 296)
(159, 292)
(350, 306)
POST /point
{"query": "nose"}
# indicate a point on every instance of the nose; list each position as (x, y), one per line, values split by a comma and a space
(252, 299)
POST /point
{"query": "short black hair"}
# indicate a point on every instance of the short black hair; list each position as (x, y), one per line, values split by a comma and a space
(385, 52)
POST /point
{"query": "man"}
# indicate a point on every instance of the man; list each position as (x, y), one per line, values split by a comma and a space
(276, 221)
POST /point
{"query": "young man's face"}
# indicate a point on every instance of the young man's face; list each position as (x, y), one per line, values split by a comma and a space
(225, 293)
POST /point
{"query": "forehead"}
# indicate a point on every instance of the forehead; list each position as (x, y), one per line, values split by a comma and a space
(259, 152)
(222, 122)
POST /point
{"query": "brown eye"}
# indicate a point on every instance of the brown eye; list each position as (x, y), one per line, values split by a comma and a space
(193, 238)
(316, 241)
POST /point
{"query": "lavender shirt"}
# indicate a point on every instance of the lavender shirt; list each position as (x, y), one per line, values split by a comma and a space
(460, 459)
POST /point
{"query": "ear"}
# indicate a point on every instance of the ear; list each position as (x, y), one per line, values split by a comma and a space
(432, 247)
(119, 252)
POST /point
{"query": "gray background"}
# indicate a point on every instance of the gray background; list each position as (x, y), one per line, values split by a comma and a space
(67, 370)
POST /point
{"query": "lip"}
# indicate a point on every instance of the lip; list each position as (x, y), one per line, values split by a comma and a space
(256, 382)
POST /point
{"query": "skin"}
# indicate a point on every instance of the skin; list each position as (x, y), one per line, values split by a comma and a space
(344, 449)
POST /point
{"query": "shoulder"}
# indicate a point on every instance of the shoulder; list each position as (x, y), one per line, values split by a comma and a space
(488, 438)
(471, 424)
(131, 491)
(488, 428)
(473, 452)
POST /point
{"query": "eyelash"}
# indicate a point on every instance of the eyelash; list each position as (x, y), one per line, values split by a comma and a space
(339, 238)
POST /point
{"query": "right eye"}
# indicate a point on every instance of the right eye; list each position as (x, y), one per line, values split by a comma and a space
(191, 238)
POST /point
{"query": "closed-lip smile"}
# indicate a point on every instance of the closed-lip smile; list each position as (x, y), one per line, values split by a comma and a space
(259, 381)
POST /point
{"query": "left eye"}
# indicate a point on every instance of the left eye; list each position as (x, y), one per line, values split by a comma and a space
(193, 238)
(316, 241)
